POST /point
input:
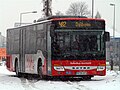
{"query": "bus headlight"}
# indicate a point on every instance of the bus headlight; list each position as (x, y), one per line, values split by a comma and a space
(59, 68)
(100, 68)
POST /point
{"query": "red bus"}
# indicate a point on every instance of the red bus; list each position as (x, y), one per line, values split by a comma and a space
(59, 46)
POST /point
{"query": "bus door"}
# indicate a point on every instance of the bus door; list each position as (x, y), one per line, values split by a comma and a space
(49, 30)
(22, 51)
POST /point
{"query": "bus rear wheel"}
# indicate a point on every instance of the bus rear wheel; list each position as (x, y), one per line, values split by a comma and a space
(39, 69)
(17, 69)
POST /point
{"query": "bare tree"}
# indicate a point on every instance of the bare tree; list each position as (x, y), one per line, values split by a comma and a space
(78, 9)
(47, 7)
(98, 15)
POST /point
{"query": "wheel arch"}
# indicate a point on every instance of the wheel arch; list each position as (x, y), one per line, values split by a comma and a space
(39, 61)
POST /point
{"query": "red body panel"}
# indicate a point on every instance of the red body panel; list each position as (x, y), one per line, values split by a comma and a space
(9, 63)
(81, 64)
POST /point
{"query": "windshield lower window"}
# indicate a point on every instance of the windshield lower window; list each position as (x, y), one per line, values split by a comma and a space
(81, 45)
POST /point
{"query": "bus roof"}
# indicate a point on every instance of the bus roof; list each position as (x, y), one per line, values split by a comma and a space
(67, 18)
(53, 17)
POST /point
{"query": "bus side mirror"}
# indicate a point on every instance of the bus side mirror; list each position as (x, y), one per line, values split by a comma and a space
(106, 36)
(52, 32)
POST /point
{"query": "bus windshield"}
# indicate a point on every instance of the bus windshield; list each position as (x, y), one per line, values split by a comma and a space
(78, 44)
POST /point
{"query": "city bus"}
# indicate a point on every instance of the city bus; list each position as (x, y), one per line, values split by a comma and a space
(59, 46)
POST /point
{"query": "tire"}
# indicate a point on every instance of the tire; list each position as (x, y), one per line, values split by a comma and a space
(86, 77)
(17, 69)
(39, 69)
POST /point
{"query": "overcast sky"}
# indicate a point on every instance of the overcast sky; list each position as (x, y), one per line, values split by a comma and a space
(10, 11)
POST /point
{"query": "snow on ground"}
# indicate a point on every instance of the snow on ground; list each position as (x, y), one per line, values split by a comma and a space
(4, 71)
(8, 81)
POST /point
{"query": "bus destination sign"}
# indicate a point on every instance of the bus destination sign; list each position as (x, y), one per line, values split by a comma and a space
(83, 24)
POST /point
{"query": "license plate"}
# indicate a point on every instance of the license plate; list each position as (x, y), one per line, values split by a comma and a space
(81, 73)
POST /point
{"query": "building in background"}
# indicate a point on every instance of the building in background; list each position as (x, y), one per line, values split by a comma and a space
(2, 41)
(2, 47)
(113, 48)
(2, 54)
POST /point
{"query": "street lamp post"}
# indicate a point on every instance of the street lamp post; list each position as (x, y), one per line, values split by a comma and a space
(92, 8)
(25, 13)
(113, 20)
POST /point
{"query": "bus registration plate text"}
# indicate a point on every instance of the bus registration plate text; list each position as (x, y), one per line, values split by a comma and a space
(81, 73)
